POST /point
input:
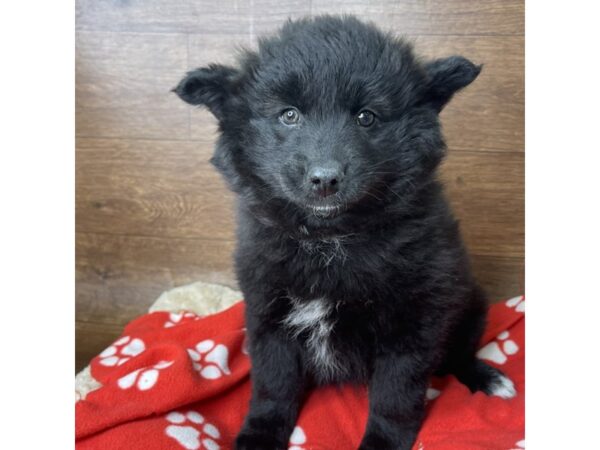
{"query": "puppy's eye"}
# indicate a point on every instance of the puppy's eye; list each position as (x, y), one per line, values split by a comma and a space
(290, 116)
(365, 118)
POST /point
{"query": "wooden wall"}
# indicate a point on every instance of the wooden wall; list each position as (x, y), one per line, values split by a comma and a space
(153, 214)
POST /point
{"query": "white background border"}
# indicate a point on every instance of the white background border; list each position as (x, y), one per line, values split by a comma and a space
(562, 225)
(37, 220)
(37, 224)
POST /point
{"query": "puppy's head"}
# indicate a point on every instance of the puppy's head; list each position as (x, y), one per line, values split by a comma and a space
(328, 117)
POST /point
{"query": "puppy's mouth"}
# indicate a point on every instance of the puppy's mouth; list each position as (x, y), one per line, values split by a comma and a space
(325, 211)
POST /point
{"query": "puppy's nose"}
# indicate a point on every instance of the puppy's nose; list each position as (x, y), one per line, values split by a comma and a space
(325, 179)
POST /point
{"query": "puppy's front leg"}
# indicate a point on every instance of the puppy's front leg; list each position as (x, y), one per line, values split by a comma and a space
(396, 402)
(277, 387)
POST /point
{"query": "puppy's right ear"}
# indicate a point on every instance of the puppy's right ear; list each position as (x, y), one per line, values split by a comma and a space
(211, 86)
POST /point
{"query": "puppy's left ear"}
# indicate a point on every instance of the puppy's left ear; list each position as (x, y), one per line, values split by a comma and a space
(211, 86)
(447, 76)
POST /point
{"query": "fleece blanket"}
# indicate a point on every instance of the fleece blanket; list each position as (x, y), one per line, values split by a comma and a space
(178, 380)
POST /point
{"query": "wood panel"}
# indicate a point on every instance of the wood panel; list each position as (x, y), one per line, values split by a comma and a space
(204, 49)
(123, 83)
(486, 191)
(197, 16)
(501, 278)
(118, 277)
(440, 17)
(151, 188)
(436, 17)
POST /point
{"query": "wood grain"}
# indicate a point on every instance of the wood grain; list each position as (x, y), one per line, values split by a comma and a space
(501, 278)
(151, 188)
(123, 84)
(118, 277)
(486, 191)
(435, 17)
(197, 16)
(439, 17)
(204, 49)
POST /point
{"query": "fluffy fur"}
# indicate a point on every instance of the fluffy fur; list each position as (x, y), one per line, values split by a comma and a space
(348, 254)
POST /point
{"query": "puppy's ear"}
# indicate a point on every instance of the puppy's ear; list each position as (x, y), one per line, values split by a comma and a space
(447, 76)
(210, 86)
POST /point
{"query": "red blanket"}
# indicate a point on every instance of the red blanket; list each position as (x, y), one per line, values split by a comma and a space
(178, 381)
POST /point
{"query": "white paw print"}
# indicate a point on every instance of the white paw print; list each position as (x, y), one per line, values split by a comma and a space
(421, 446)
(516, 302)
(144, 378)
(210, 360)
(519, 445)
(177, 318)
(297, 439)
(121, 351)
(499, 350)
(191, 431)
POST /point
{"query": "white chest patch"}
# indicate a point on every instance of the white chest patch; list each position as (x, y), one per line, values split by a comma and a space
(314, 318)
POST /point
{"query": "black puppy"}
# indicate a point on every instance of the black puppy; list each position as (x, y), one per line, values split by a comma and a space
(351, 263)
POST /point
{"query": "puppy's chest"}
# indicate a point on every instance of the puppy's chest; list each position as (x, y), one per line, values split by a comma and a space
(337, 262)
(325, 252)
(318, 325)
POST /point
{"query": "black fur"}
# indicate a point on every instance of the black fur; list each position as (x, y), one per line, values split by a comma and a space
(380, 259)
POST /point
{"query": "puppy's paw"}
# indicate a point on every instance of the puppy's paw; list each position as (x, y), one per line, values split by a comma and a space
(480, 376)
(258, 440)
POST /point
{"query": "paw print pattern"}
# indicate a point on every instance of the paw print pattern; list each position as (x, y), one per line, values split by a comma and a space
(517, 302)
(499, 350)
(421, 446)
(210, 360)
(121, 351)
(144, 378)
(297, 439)
(179, 318)
(191, 431)
(519, 445)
